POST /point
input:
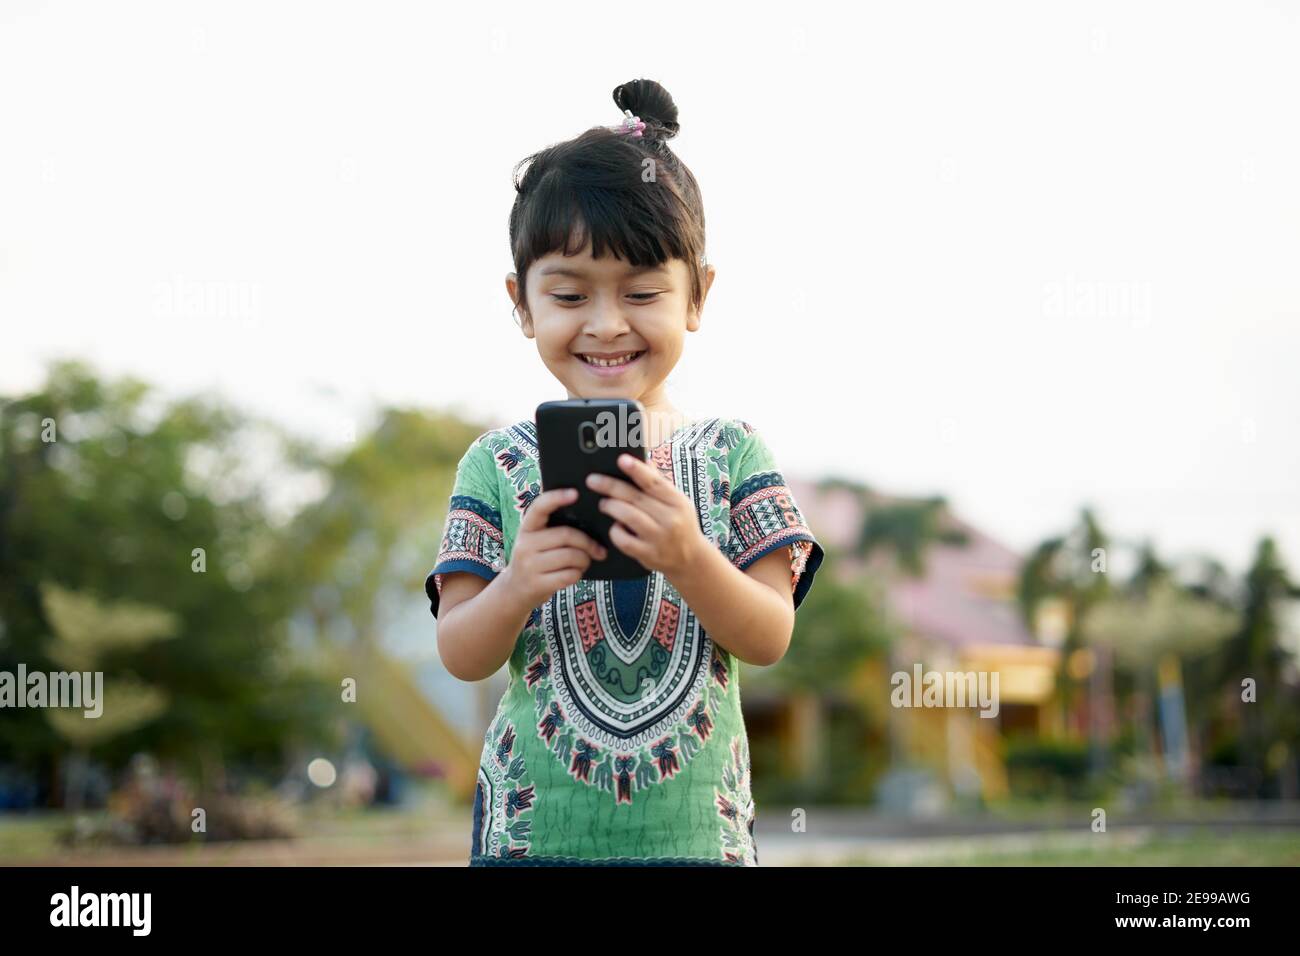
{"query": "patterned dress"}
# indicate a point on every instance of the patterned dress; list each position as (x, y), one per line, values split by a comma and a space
(619, 738)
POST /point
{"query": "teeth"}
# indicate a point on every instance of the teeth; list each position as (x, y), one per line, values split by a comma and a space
(605, 363)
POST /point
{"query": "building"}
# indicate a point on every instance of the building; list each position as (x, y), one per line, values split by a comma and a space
(958, 616)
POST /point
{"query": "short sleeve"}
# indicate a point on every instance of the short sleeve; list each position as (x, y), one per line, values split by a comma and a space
(472, 538)
(764, 515)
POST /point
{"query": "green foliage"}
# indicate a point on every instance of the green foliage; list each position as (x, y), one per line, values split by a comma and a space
(86, 630)
(839, 626)
(366, 545)
(1270, 737)
(907, 529)
(1043, 768)
(1067, 568)
(1142, 628)
(105, 492)
(903, 528)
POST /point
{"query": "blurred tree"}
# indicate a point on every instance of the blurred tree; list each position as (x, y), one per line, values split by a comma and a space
(1159, 633)
(109, 492)
(900, 527)
(366, 546)
(1271, 725)
(371, 539)
(1141, 627)
(1150, 571)
(1073, 570)
(85, 632)
(839, 627)
(902, 530)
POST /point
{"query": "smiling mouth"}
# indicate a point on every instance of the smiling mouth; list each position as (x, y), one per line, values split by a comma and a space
(615, 360)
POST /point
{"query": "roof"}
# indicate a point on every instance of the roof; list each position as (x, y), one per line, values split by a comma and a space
(967, 595)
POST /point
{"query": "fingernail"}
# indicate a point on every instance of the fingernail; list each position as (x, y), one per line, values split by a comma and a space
(571, 493)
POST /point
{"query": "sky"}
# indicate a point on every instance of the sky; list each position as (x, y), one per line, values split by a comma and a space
(1026, 258)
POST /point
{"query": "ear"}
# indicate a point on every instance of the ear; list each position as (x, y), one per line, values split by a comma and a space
(513, 290)
(696, 315)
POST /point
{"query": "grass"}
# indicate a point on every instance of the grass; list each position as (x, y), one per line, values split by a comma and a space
(29, 836)
(324, 831)
(428, 832)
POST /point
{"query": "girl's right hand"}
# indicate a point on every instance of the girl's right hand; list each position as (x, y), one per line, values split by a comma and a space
(544, 560)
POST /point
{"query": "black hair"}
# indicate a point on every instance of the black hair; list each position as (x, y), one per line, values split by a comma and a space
(594, 187)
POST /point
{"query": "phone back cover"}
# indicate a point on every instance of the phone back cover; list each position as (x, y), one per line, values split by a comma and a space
(566, 464)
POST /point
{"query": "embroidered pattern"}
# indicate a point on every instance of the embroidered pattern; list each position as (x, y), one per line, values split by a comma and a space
(736, 806)
(764, 516)
(617, 680)
(629, 710)
(504, 799)
(473, 533)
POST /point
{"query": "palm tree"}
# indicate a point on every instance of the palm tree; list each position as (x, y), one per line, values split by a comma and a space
(1070, 569)
(904, 528)
(1255, 651)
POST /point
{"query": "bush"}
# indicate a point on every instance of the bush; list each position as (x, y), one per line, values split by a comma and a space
(1047, 768)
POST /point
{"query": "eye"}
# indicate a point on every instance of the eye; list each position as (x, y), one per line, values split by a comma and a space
(566, 296)
(644, 296)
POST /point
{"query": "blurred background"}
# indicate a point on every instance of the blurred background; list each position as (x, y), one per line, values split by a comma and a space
(1010, 293)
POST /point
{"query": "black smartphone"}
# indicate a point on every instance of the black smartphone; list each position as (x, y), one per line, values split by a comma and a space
(584, 436)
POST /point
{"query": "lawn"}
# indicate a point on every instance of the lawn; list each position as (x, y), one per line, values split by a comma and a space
(429, 832)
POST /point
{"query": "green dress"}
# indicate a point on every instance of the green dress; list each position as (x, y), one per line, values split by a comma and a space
(619, 738)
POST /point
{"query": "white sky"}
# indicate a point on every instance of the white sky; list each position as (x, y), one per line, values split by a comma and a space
(1027, 258)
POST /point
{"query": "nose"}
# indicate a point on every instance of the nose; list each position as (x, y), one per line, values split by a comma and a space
(605, 320)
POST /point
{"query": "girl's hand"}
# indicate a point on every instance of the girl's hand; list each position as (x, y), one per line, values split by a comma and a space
(544, 560)
(654, 522)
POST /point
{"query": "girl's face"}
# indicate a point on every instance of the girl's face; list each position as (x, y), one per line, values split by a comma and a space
(604, 328)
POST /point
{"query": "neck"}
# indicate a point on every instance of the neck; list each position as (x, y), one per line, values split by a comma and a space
(662, 418)
(661, 423)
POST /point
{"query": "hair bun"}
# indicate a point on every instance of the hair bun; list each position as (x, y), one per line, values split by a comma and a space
(651, 102)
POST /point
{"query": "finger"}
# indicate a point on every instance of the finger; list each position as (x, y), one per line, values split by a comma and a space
(614, 487)
(628, 543)
(558, 559)
(559, 580)
(543, 505)
(625, 490)
(552, 538)
(646, 476)
(632, 517)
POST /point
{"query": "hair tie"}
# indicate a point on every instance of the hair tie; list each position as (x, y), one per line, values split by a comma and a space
(632, 125)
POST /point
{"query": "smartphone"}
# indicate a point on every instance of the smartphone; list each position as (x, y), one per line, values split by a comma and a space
(584, 436)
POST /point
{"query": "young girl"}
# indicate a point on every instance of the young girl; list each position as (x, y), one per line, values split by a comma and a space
(619, 739)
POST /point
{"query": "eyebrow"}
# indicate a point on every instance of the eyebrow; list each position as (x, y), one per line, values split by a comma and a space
(573, 273)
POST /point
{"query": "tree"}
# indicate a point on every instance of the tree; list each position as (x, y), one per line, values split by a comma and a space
(115, 495)
(1270, 725)
(368, 543)
(903, 528)
(1158, 627)
(839, 627)
(1073, 570)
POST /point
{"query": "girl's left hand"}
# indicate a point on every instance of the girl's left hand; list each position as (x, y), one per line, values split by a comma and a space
(654, 521)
